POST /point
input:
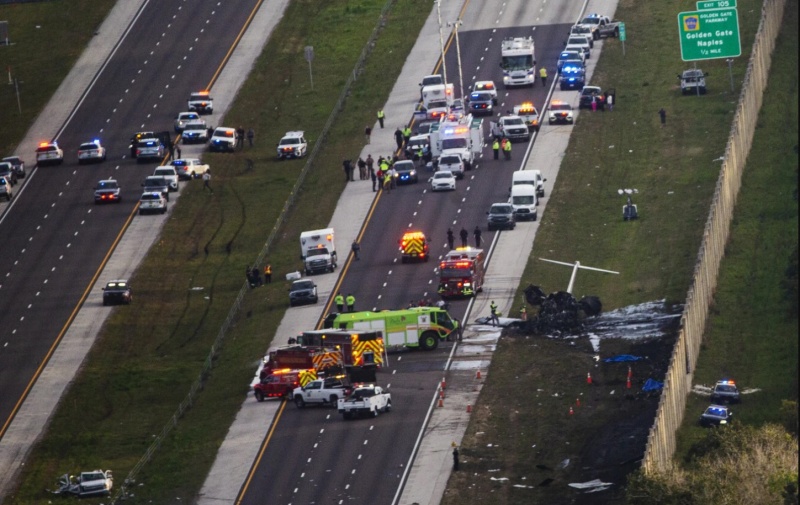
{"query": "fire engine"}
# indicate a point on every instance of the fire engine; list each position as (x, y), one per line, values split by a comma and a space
(461, 273)
(414, 246)
(362, 351)
(286, 368)
(421, 327)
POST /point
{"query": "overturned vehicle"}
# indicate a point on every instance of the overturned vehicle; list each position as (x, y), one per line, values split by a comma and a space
(87, 484)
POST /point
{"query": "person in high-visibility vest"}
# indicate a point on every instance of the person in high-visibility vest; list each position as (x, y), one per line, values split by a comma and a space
(339, 301)
(523, 313)
(507, 149)
(496, 148)
(381, 116)
(543, 75)
(387, 181)
(351, 303)
(406, 133)
(493, 308)
(267, 273)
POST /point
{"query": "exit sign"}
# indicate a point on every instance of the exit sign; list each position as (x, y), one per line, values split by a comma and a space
(709, 34)
(715, 4)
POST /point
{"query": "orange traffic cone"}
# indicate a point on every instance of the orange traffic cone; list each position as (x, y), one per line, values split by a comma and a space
(441, 394)
(478, 374)
(441, 401)
(469, 408)
(630, 372)
(577, 402)
(628, 383)
(588, 378)
(444, 383)
(571, 412)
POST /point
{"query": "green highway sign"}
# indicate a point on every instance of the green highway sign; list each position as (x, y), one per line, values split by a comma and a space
(622, 36)
(709, 34)
(715, 4)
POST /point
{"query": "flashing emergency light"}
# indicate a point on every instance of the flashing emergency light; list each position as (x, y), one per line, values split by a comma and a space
(727, 383)
(203, 93)
(329, 236)
(43, 144)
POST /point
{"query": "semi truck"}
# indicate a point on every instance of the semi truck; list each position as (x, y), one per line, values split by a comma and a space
(461, 273)
(415, 327)
(318, 251)
(463, 136)
(518, 61)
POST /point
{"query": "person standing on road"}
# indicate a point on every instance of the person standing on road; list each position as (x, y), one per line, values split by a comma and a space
(495, 319)
(362, 169)
(251, 133)
(381, 117)
(464, 236)
(240, 137)
(663, 115)
(398, 138)
(207, 181)
(610, 102)
(387, 181)
(268, 274)
(543, 75)
(507, 149)
(351, 302)
(178, 149)
(339, 301)
(171, 151)
(367, 134)
(496, 148)
(406, 134)
(477, 234)
(356, 248)
(450, 239)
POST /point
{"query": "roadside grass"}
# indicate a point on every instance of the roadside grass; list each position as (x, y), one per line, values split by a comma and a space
(146, 359)
(674, 170)
(40, 58)
(752, 331)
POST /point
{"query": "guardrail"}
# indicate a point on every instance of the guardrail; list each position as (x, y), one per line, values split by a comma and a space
(216, 347)
(678, 381)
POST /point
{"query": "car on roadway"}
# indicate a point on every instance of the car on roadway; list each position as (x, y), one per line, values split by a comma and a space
(481, 103)
(195, 132)
(488, 87)
(560, 112)
(417, 143)
(152, 201)
(725, 391)
(107, 191)
(182, 118)
(501, 217)
(406, 172)
(169, 173)
(201, 102)
(7, 172)
(572, 66)
(89, 152)
(5, 189)
(716, 415)
(292, 145)
(457, 106)
(17, 164)
(189, 168)
(424, 128)
(443, 180)
(571, 78)
(589, 93)
(452, 163)
(149, 149)
(580, 43)
(49, 153)
(303, 291)
(223, 140)
(117, 292)
(584, 30)
(157, 183)
(569, 55)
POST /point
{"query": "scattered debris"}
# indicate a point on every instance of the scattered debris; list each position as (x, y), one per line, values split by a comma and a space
(592, 486)
(499, 479)
(652, 385)
(563, 464)
(87, 484)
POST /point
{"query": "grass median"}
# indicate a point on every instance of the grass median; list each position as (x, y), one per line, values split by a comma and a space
(145, 360)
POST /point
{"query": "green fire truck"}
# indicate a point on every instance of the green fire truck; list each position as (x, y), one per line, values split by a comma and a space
(421, 327)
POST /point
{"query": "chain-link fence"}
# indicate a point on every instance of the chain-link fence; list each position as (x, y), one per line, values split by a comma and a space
(678, 381)
(234, 310)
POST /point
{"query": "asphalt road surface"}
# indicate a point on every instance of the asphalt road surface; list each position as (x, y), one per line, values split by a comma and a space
(312, 455)
(55, 240)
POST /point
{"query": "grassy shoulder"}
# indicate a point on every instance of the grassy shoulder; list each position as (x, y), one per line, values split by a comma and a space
(47, 38)
(752, 331)
(145, 360)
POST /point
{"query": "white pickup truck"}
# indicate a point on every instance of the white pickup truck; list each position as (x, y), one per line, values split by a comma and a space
(321, 391)
(365, 400)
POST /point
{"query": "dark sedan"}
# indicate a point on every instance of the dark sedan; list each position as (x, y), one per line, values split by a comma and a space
(117, 292)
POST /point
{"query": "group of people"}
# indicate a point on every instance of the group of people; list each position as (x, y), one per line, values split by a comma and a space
(240, 134)
(340, 300)
(254, 275)
(464, 235)
(501, 144)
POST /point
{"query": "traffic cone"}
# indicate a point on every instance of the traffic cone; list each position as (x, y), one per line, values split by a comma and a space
(444, 383)
(441, 394)
(478, 374)
(630, 373)
(588, 378)
(628, 383)
(577, 402)
(441, 402)
(571, 412)
(469, 409)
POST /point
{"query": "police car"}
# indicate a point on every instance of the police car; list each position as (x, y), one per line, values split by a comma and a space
(529, 114)
(559, 112)
(292, 145)
(149, 149)
(152, 201)
(195, 132)
(201, 102)
(182, 118)
(571, 77)
(91, 151)
(725, 391)
(406, 172)
(223, 140)
(716, 415)
(488, 87)
(107, 191)
(49, 152)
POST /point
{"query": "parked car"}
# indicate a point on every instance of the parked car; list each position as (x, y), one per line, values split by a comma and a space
(17, 164)
(117, 292)
(443, 180)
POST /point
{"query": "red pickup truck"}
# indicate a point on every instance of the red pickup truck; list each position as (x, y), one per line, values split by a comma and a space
(279, 384)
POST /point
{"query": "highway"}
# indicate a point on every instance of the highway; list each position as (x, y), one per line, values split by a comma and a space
(311, 455)
(55, 240)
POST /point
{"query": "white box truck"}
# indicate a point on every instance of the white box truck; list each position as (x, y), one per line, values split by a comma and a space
(318, 251)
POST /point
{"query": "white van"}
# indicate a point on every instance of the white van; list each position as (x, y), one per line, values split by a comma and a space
(524, 200)
(533, 177)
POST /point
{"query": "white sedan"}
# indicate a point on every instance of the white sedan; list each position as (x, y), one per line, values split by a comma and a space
(443, 180)
(189, 168)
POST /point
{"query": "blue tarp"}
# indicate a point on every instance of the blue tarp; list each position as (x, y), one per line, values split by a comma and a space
(622, 357)
(652, 385)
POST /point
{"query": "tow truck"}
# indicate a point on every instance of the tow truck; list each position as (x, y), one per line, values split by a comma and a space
(421, 327)
(529, 114)
(414, 246)
(461, 273)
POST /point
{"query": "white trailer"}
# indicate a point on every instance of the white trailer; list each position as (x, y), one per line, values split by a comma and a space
(518, 61)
